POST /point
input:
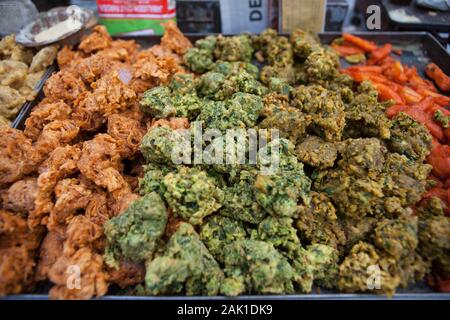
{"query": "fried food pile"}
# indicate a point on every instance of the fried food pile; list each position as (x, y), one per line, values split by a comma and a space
(20, 70)
(94, 175)
(77, 163)
(343, 207)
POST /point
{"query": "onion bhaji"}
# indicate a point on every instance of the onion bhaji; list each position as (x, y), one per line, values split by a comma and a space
(74, 166)
(18, 248)
(20, 196)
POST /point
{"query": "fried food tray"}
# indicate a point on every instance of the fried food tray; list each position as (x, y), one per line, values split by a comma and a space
(418, 49)
(19, 121)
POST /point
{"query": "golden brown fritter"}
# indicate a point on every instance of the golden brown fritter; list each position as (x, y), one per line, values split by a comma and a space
(85, 263)
(54, 134)
(99, 39)
(81, 232)
(51, 249)
(61, 163)
(20, 196)
(16, 156)
(12, 72)
(127, 131)
(174, 39)
(173, 123)
(362, 157)
(18, 245)
(128, 274)
(63, 85)
(67, 57)
(100, 162)
(27, 88)
(44, 113)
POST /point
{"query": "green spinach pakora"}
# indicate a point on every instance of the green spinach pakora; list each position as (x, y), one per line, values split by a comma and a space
(338, 211)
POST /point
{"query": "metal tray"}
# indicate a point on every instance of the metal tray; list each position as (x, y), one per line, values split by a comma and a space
(413, 17)
(419, 48)
(19, 121)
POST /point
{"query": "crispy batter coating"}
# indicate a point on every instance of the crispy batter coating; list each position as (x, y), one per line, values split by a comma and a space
(127, 131)
(20, 196)
(86, 264)
(44, 113)
(71, 195)
(303, 43)
(100, 162)
(174, 39)
(18, 245)
(10, 49)
(28, 87)
(82, 233)
(51, 249)
(317, 153)
(20, 72)
(409, 138)
(128, 274)
(362, 157)
(64, 85)
(185, 265)
(12, 71)
(434, 235)
(99, 39)
(62, 162)
(155, 70)
(364, 115)
(256, 266)
(16, 270)
(357, 269)
(10, 101)
(67, 57)
(134, 235)
(292, 124)
(15, 232)
(325, 107)
(54, 134)
(92, 68)
(16, 156)
(43, 58)
(318, 222)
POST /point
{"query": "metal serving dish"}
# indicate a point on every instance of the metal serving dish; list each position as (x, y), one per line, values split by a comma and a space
(418, 49)
(45, 20)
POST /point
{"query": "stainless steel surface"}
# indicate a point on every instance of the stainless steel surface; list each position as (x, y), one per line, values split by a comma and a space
(26, 35)
(419, 48)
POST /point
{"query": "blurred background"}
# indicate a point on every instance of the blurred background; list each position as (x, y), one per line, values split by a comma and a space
(140, 17)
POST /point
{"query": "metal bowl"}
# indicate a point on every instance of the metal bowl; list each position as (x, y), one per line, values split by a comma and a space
(46, 20)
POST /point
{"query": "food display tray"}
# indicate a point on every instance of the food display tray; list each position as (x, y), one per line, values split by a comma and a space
(19, 121)
(418, 49)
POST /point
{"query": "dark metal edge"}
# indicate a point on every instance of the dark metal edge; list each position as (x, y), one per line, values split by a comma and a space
(298, 297)
(19, 121)
(433, 49)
